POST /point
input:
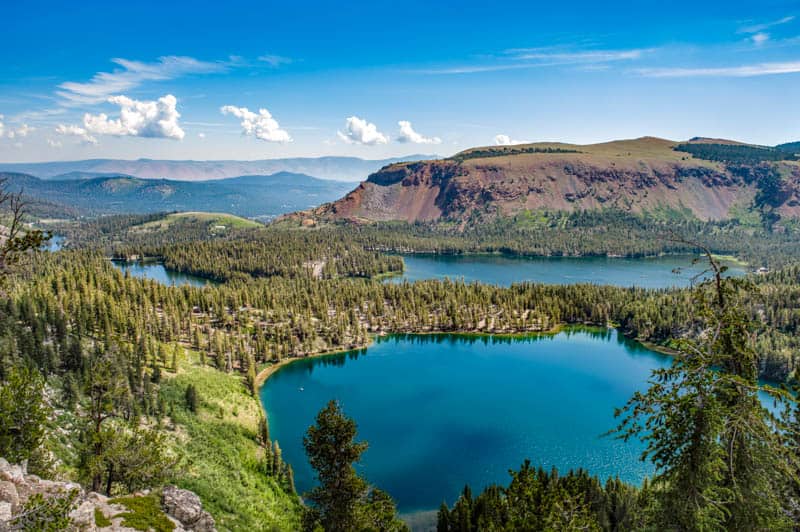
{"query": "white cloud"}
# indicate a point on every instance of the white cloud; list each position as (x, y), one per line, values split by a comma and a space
(132, 74)
(262, 125)
(201, 135)
(505, 140)
(154, 119)
(760, 38)
(76, 131)
(54, 143)
(741, 71)
(275, 60)
(14, 133)
(359, 131)
(407, 134)
(20, 132)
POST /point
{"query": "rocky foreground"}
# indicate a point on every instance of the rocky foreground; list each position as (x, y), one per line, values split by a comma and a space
(170, 508)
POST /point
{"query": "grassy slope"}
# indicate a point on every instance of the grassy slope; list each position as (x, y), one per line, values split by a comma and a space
(222, 462)
(641, 148)
(210, 218)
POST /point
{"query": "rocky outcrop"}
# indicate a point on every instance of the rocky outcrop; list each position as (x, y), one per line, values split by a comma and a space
(92, 511)
(186, 507)
(640, 175)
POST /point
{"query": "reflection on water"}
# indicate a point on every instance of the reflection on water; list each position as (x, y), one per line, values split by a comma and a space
(656, 272)
(443, 410)
(157, 272)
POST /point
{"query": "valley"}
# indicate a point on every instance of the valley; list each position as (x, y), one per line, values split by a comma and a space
(459, 315)
(400, 267)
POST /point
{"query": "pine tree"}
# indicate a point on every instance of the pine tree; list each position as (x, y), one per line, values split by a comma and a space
(22, 414)
(191, 398)
(332, 451)
(720, 457)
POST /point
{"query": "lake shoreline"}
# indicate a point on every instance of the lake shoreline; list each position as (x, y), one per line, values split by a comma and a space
(263, 376)
(665, 271)
(722, 257)
(293, 398)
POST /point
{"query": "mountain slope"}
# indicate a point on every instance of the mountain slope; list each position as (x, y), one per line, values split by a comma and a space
(245, 196)
(338, 168)
(641, 175)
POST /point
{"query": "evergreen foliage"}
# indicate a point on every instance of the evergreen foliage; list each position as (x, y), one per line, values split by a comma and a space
(23, 414)
(736, 153)
(343, 501)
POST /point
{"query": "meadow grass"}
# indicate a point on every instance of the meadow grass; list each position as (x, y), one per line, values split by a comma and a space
(220, 458)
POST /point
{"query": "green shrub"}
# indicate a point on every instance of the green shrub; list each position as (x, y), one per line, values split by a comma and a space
(100, 519)
(144, 514)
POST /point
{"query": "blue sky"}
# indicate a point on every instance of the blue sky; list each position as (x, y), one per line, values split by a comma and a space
(375, 79)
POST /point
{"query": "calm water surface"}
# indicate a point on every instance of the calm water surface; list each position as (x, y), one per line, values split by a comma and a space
(157, 272)
(55, 243)
(656, 272)
(440, 411)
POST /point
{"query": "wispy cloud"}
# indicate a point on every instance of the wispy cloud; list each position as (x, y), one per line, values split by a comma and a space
(552, 55)
(41, 115)
(524, 58)
(757, 33)
(759, 38)
(757, 28)
(275, 60)
(132, 74)
(740, 71)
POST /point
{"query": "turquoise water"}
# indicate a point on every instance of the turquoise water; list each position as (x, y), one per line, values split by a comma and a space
(440, 411)
(157, 272)
(55, 243)
(656, 272)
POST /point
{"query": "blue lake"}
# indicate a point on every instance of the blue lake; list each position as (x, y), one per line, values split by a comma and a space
(440, 411)
(655, 272)
(55, 243)
(157, 272)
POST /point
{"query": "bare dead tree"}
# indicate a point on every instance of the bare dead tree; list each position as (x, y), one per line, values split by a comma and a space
(15, 238)
(714, 266)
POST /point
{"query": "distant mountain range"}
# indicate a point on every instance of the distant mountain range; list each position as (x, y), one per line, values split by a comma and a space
(338, 168)
(251, 196)
(707, 179)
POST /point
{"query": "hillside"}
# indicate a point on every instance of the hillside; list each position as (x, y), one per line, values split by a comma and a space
(338, 168)
(252, 196)
(706, 179)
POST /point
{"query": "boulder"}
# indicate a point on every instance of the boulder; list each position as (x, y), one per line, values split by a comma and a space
(13, 473)
(186, 507)
(182, 507)
(8, 493)
(5, 513)
(83, 517)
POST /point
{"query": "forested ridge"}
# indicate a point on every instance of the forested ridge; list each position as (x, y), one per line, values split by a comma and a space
(307, 270)
(533, 233)
(176, 367)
